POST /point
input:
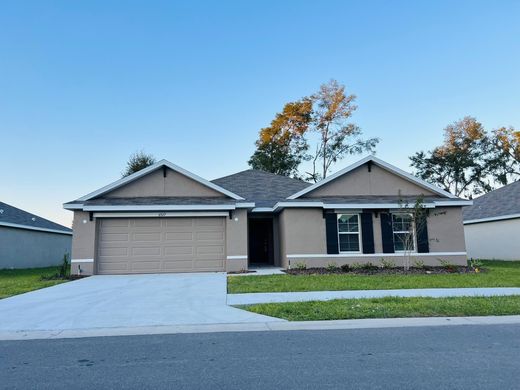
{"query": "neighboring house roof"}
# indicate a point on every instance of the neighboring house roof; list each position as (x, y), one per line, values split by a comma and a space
(503, 203)
(380, 163)
(11, 216)
(263, 188)
(145, 171)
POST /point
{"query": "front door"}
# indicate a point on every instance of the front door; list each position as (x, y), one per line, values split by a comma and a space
(261, 241)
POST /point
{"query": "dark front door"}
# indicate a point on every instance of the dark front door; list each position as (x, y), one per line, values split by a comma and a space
(261, 241)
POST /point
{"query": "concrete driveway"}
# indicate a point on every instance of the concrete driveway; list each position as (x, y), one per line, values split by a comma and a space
(125, 301)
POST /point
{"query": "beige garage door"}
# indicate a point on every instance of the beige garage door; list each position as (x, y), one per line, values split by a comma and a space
(157, 245)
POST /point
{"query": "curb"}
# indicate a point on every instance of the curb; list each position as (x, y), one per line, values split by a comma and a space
(261, 327)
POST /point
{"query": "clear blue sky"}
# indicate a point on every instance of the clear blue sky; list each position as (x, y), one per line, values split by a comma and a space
(84, 84)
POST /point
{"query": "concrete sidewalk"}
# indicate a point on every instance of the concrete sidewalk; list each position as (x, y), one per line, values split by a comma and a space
(279, 297)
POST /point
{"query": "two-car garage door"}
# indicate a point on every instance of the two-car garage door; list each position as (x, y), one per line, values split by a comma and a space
(157, 245)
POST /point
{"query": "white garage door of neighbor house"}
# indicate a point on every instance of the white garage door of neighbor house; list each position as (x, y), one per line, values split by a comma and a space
(160, 245)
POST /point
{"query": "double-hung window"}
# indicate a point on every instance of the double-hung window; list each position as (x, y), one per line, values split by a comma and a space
(349, 237)
(404, 232)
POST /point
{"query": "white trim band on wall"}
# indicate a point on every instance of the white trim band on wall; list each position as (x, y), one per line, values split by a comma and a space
(236, 257)
(297, 256)
(82, 261)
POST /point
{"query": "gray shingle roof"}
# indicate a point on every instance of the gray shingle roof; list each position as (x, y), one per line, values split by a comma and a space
(12, 215)
(263, 188)
(504, 201)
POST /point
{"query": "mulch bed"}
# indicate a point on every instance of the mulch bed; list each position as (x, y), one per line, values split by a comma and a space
(386, 271)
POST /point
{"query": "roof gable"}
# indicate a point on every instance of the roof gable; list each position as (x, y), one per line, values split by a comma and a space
(128, 186)
(353, 181)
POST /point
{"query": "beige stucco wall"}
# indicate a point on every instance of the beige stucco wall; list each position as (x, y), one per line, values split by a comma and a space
(362, 182)
(498, 240)
(302, 232)
(236, 241)
(154, 184)
(445, 230)
(83, 243)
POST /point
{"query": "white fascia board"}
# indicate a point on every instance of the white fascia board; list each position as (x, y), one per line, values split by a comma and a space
(373, 206)
(39, 229)
(461, 202)
(160, 208)
(163, 214)
(381, 163)
(73, 206)
(263, 209)
(245, 205)
(491, 219)
(151, 168)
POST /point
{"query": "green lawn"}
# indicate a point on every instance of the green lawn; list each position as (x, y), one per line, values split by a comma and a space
(499, 274)
(18, 281)
(390, 307)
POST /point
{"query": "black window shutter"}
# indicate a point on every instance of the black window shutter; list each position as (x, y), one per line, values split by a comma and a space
(422, 234)
(387, 233)
(331, 228)
(367, 232)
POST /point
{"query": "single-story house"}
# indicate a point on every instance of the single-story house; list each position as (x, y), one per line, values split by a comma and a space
(492, 224)
(166, 219)
(30, 241)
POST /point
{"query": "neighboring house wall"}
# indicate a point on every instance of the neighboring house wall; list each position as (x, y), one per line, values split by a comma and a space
(22, 248)
(303, 238)
(362, 182)
(155, 184)
(498, 240)
(83, 243)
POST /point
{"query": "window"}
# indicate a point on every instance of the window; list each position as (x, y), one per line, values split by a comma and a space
(348, 233)
(403, 229)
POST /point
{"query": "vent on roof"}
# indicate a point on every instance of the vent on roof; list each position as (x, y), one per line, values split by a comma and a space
(1, 211)
(33, 219)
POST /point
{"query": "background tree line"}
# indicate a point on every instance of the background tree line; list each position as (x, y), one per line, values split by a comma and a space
(318, 129)
(470, 160)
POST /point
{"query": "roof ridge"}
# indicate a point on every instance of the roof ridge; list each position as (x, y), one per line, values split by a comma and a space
(262, 172)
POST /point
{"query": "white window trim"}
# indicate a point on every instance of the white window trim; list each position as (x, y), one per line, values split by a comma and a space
(414, 250)
(351, 233)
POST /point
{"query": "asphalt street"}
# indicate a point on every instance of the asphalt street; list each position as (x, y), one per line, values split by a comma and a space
(447, 357)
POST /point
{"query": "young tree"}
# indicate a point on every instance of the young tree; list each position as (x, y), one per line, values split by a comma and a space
(460, 164)
(282, 146)
(137, 161)
(504, 162)
(337, 136)
(409, 221)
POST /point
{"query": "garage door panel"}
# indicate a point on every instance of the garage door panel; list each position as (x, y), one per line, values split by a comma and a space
(153, 245)
(178, 236)
(153, 237)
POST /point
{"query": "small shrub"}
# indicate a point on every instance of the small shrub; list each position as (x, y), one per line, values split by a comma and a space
(345, 268)
(369, 266)
(331, 267)
(356, 266)
(476, 264)
(418, 263)
(64, 270)
(447, 265)
(300, 266)
(385, 264)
